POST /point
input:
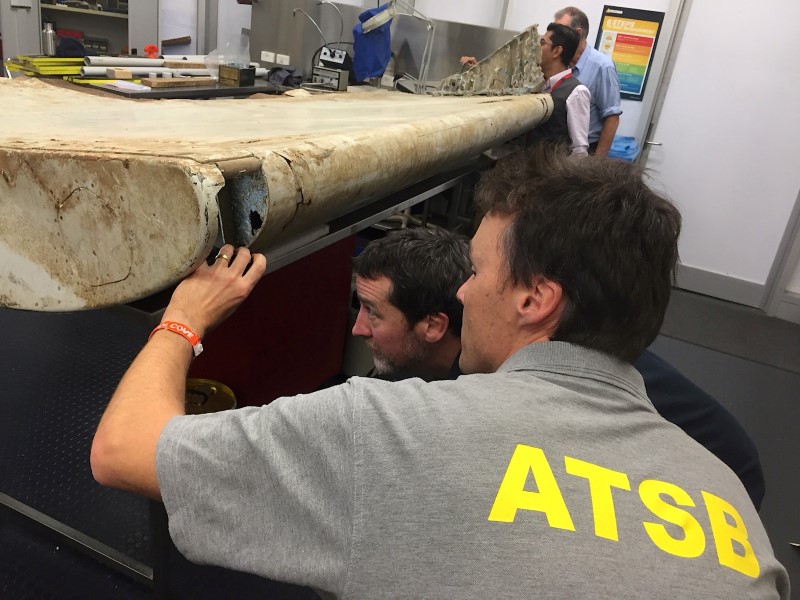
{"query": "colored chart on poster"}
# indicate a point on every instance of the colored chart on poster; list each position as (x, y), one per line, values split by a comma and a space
(629, 37)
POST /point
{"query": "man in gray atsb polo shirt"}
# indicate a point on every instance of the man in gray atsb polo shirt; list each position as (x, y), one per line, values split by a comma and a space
(545, 472)
(411, 324)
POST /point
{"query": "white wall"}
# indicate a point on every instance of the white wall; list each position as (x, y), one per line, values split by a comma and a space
(487, 13)
(731, 139)
(730, 134)
(232, 17)
(177, 18)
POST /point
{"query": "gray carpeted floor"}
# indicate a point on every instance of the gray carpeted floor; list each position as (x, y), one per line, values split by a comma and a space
(751, 364)
(733, 329)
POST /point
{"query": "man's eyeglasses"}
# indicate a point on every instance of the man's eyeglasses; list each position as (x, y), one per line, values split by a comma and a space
(544, 42)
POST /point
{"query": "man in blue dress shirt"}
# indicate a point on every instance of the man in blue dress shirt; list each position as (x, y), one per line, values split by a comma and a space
(598, 73)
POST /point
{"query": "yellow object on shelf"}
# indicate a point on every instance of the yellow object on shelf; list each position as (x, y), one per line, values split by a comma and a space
(93, 80)
(45, 65)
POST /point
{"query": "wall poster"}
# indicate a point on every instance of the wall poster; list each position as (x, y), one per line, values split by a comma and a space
(629, 37)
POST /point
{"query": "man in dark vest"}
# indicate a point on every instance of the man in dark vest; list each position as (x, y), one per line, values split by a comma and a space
(569, 123)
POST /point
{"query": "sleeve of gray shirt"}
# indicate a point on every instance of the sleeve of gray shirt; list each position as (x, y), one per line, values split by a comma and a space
(265, 490)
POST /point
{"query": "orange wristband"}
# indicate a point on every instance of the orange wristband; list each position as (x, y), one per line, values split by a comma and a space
(183, 331)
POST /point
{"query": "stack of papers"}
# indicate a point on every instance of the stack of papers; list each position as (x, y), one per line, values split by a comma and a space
(127, 86)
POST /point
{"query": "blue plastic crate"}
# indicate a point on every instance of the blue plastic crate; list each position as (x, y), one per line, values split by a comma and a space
(625, 148)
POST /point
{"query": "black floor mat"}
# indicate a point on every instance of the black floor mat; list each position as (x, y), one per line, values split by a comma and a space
(58, 372)
(32, 567)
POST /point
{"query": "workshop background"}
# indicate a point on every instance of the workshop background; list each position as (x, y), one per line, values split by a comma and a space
(716, 127)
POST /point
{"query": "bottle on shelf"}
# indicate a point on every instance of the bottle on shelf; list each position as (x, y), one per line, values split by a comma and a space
(48, 40)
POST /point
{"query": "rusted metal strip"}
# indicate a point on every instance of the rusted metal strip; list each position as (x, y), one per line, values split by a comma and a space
(237, 167)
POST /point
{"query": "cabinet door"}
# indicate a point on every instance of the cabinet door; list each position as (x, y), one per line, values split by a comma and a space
(20, 28)
(142, 24)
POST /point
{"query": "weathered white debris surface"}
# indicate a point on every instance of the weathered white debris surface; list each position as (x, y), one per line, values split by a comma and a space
(514, 68)
(107, 200)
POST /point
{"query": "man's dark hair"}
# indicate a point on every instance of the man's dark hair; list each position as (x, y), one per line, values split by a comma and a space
(567, 38)
(578, 19)
(426, 268)
(595, 227)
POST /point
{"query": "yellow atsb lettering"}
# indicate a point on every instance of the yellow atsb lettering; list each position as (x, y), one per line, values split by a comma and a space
(725, 534)
(694, 540)
(601, 480)
(512, 495)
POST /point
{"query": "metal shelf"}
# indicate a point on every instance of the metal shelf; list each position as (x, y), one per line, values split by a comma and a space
(84, 11)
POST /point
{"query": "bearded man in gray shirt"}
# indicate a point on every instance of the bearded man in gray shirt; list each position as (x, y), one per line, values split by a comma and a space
(544, 472)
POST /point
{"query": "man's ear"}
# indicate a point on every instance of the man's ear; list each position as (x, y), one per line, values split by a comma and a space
(558, 51)
(541, 304)
(433, 327)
